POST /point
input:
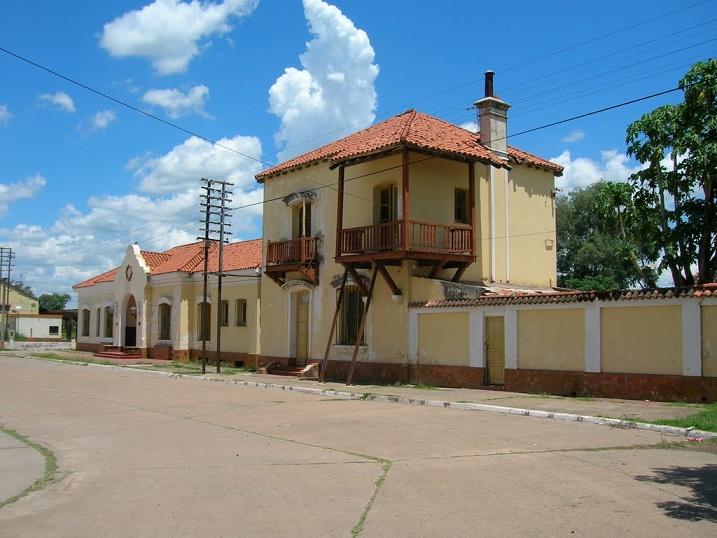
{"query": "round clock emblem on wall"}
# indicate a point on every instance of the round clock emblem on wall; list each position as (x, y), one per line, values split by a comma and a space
(128, 272)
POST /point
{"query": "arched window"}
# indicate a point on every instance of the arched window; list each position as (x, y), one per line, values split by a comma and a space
(85, 322)
(109, 321)
(165, 321)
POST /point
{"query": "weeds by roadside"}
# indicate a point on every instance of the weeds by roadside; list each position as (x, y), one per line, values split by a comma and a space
(50, 476)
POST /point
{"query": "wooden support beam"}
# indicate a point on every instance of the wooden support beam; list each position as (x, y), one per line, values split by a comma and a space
(333, 326)
(387, 277)
(404, 197)
(357, 279)
(459, 272)
(339, 211)
(436, 268)
(472, 205)
(362, 328)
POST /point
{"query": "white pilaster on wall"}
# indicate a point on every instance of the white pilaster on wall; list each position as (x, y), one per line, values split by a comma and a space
(511, 338)
(691, 338)
(476, 349)
(507, 227)
(412, 337)
(592, 337)
(491, 186)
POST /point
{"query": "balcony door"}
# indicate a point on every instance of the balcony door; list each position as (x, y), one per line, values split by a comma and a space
(302, 220)
(386, 204)
(387, 235)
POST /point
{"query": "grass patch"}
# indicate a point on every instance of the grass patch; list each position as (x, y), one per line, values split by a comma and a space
(705, 420)
(50, 476)
(418, 386)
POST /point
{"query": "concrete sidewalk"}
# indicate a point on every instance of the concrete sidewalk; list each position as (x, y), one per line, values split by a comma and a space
(22, 465)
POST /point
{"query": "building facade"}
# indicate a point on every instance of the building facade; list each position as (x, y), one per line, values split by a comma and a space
(154, 304)
(408, 210)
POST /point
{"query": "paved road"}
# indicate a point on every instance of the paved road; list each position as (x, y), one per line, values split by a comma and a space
(148, 455)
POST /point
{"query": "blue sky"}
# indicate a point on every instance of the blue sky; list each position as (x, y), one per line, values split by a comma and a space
(83, 175)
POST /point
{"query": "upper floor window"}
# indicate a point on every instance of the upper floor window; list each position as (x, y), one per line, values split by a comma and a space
(461, 206)
(302, 220)
(386, 201)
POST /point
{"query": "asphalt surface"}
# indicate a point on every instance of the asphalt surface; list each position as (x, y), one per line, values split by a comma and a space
(142, 454)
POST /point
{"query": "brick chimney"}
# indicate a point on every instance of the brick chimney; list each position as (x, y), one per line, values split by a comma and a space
(493, 120)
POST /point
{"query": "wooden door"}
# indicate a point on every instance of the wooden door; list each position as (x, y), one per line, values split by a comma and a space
(495, 350)
(302, 328)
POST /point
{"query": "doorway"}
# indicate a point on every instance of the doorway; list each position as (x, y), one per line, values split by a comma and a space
(495, 350)
(130, 316)
(302, 328)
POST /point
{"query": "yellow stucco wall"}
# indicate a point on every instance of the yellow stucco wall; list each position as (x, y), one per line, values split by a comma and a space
(709, 340)
(551, 339)
(28, 305)
(444, 339)
(644, 339)
(531, 208)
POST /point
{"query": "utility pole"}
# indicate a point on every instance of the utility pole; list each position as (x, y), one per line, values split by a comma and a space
(6, 257)
(214, 204)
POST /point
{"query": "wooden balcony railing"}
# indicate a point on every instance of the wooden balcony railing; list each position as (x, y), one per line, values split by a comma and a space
(299, 250)
(448, 238)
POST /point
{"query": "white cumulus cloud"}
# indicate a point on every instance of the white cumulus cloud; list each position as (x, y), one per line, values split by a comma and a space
(86, 241)
(59, 100)
(334, 90)
(102, 119)
(5, 115)
(176, 103)
(231, 159)
(582, 171)
(27, 188)
(575, 136)
(170, 33)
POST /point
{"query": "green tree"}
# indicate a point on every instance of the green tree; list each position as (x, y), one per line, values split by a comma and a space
(615, 205)
(19, 284)
(589, 251)
(676, 190)
(53, 302)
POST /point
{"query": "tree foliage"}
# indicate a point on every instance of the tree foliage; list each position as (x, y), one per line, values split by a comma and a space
(20, 285)
(589, 249)
(53, 302)
(675, 192)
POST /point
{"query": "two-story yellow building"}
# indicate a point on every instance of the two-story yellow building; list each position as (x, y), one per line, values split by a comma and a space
(409, 210)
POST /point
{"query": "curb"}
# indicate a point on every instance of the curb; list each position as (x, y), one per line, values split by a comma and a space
(601, 421)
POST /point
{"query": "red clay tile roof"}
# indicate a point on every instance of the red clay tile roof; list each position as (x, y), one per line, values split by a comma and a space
(517, 297)
(415, 130)
(109, 276)
(190, 259)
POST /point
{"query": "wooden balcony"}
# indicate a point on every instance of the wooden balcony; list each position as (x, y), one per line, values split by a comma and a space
(427, 242)
(300, 254)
